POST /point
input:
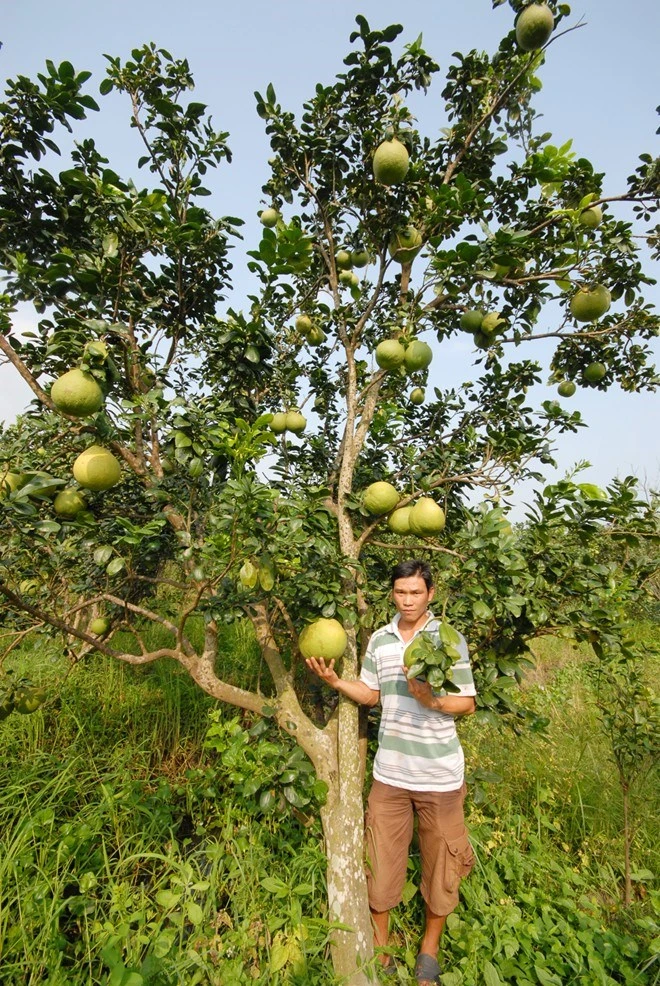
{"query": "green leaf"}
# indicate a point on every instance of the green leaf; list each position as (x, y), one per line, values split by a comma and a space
(491, 975)
(103, 554)
(115, 566)
(168, 899)
(194, 913)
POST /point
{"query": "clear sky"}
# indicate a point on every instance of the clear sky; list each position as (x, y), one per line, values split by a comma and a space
(601, 87)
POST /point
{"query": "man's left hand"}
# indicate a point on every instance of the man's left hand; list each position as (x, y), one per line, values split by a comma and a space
(422, 691)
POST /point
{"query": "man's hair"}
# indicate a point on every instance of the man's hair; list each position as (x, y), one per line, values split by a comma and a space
(408, 569)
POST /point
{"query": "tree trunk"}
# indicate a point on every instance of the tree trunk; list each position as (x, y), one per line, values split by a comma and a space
(343, 828)
(627, 839)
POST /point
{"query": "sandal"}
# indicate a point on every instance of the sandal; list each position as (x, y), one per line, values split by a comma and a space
(427, 970)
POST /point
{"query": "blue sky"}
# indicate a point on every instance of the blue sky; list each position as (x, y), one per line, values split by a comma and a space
(601, 87)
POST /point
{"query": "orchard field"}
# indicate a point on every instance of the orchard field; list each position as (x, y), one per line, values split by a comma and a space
(209, 481)
(133, 848)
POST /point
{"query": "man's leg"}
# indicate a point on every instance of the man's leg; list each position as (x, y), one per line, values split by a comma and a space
(381, 921)
(433, 929)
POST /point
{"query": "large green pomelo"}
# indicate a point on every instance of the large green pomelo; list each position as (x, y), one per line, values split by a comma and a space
(390, 354)
(315, 336)
(380, 498)
(100, 626)
(591, 217)
(491, 324)
(391, 162)
(76, 393)
(323, 638)
(399, 520)
(534, 26)
(426, 517)
(590, 303)
(304, 324)
(471, 321)
(10, 481)
(418, 355)
(359, 258)
(417, 396)
(295, 422)
(278, 423)
(566, 388)
(595, 372)
(68, 503)
(405, 244)
(269, 217)
(97, 469)
(343, 260)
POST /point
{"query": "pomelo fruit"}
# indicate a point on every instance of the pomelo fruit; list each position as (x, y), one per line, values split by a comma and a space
(492, 323)
(591, 217)
(595, 372)
(566, 388)
(417, 356)
(11, 481)
(295, 422)
(534, 26)
(323, 638)
(303, 324)
(390, 354)
(391, 162)
(482, 340)
(97, 469)
(349, 278)
(471, 321)
(343, 260)
(76, 393)
(28, 700)
(590, 303)
(380, 498)
(269, 217)
(100, 626)
(68, 503)
(417, 396)
(405, 244)
(426, 517)
(315, 336)
(359, 258)
(399, 520)
(278, 423)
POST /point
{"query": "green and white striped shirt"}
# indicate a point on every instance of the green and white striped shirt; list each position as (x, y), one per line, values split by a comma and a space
(418, 748)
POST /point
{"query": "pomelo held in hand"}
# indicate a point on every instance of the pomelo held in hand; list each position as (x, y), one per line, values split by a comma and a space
(590, 303)
(534, 26)
(391, 162)
(76, 393)
(324, 638)
(426, 517)
(97, 469)
(380, 498)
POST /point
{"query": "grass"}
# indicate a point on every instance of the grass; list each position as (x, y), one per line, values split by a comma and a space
(128, 857)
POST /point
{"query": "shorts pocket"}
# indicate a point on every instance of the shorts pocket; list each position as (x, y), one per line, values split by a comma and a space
(459, 860)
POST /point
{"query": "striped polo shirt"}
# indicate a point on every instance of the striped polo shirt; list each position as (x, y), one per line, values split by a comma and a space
(418, 748)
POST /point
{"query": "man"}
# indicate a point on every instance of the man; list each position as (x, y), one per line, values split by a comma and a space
(418, 768)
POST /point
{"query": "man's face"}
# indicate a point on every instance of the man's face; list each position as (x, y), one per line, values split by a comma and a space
(411, 597)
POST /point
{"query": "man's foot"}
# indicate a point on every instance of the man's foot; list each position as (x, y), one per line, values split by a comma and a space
(427, 970)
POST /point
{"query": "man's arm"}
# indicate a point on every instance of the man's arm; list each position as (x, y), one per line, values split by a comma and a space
(355, 690)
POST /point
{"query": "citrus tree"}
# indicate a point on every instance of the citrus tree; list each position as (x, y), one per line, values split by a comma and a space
(198, 465)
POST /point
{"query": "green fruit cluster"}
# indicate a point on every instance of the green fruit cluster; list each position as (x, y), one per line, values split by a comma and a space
(433, 657)
(292, 421)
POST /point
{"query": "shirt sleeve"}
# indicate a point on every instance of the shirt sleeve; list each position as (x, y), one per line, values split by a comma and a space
(369, 670)
(462, 671)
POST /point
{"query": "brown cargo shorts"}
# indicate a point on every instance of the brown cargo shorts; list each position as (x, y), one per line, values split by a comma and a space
(445, 849)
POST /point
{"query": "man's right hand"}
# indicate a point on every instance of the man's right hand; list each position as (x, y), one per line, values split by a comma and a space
(325, 671)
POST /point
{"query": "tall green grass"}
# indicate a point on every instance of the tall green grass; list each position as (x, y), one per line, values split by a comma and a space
(127, 856)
